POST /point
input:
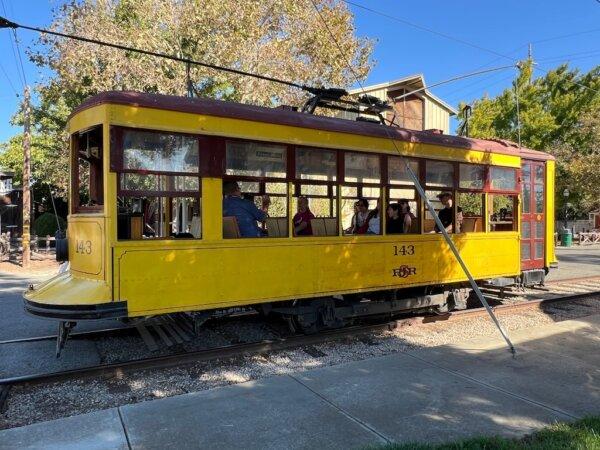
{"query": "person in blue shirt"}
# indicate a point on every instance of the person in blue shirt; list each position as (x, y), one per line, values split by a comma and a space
(245, 211)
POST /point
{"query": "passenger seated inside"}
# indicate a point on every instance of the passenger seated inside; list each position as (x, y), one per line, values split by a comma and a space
(399, 218)
(359, 220)
(302, 225)
(446, 214)
(373, 221)
(245, 211)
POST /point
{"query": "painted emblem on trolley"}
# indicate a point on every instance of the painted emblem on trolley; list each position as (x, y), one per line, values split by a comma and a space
(539, 217)
(404, 271)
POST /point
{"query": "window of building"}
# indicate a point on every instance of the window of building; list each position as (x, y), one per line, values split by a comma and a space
(87, 177)
(439, 174)
(503, 215)
(158, 192)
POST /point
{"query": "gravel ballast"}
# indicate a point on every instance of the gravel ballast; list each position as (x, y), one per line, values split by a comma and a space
(29, 404)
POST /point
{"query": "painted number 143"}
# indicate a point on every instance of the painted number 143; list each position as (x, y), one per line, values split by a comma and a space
(404, 250)
(84, 247)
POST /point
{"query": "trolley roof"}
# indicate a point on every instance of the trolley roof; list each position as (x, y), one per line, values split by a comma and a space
(280, 116)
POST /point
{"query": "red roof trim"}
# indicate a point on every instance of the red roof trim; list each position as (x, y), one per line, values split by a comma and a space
(295, 119)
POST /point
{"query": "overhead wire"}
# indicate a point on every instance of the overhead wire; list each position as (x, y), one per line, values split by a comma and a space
(460, 40)
(422, 194)
(14, 50)
(5, 23)
(8, 79)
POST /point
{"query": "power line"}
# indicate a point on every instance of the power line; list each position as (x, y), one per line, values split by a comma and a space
(8, 79)
(428, 30)
(459, 40)
(14, 51)
(422, 194)
(5, 23)
(456, 78)
(564, 36)
(19, 54)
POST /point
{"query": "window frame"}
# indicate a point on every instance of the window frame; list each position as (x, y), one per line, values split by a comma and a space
(491, 190)
(116, 166)
(76, 208)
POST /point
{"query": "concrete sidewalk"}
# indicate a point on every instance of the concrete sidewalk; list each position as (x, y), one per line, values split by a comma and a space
(433, 395)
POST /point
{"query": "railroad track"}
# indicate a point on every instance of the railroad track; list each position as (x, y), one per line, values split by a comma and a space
(270, 345)
(551, 294)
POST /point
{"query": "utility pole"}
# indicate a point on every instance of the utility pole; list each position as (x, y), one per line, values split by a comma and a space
(26, 175)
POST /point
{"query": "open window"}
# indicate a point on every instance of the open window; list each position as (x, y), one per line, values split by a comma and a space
(503, 212)
(470, 198)
(314, 201)
(503, 199)
(439, 184)
(158, 186)
(87, 173)
(403, 203)
(361, 194)
(260, 172)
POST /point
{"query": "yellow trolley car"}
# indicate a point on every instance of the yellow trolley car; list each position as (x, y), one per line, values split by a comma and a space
(147, 234)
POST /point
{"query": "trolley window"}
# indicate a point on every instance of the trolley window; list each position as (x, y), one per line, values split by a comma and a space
(503, 179)
(314, 201)
(260, 171)
(158, 186)
(87, 173)
(316, 164)
(361, 195)
(469, 212)
(471, 176)
(252, 159)
(397, 173)
(439, 174)
(159, 152)
(503, 212)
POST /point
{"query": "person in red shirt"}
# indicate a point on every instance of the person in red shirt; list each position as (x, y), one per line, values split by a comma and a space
(302, 218)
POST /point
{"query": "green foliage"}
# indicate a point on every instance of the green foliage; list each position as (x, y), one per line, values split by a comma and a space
(583, 434)
(283, 39)
(559, 114)
(46, 224)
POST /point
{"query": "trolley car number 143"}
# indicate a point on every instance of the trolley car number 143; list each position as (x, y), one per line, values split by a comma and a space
(84, 247)
(404, 250)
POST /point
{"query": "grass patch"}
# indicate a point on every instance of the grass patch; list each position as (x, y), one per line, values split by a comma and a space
(581, 435)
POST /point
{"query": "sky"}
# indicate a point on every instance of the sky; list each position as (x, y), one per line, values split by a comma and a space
(474, 33)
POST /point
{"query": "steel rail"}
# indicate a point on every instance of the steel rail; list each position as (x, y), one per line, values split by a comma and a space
(270, 345)
(79, 335)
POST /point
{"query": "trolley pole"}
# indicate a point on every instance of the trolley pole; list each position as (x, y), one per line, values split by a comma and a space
(26, 176)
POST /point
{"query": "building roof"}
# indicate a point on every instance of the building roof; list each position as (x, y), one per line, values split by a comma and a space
(416, 81)
(290, 118)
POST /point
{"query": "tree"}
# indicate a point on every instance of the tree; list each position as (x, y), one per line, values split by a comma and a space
(283, 39)
(558, 114)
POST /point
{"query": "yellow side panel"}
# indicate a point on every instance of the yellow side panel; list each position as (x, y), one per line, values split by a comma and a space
(158, 280)
(87, 246)
(64, 289)
(550, 175)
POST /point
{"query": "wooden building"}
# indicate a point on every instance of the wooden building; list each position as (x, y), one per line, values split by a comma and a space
(419, 111)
